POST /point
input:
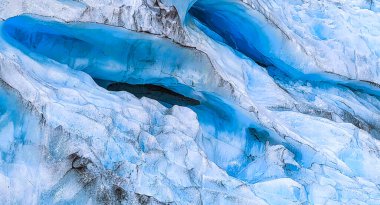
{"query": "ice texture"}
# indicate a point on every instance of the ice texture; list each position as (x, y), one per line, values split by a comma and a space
(189, 102)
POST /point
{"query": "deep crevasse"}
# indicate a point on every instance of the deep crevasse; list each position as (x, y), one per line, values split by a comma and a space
(271, 126)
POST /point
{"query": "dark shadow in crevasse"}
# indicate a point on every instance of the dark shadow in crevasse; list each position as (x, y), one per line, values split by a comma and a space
(165, 96)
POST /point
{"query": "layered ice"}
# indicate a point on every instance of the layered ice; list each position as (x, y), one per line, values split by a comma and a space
(191, 102)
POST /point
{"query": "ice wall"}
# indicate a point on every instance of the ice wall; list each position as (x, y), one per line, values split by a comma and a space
(272, 124)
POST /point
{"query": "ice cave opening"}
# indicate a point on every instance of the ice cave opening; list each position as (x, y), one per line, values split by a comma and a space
(163, 95)
(154, 67)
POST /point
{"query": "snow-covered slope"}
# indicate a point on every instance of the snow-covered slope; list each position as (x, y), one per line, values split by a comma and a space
(224, 102)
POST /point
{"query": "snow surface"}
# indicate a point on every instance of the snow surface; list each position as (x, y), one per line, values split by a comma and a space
(289, 102)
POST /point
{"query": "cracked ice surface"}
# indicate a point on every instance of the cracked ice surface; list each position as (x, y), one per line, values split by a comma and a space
(289, 117)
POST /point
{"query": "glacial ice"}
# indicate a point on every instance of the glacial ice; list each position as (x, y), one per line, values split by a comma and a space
(289, 115)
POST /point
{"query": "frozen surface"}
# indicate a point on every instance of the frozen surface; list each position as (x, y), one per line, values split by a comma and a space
(189, 102)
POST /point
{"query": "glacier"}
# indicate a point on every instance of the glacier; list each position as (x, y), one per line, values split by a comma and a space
(189, 102)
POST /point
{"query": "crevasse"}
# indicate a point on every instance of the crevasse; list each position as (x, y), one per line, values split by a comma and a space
(245, 116)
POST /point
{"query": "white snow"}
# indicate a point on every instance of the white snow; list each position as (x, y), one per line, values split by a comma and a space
(289, 115)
